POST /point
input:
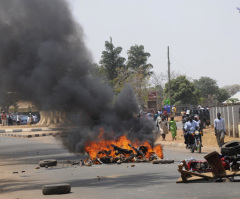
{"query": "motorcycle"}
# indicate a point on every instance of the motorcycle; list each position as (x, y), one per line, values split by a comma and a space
(195, 142)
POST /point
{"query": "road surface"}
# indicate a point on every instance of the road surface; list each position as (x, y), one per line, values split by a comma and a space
(20, 178)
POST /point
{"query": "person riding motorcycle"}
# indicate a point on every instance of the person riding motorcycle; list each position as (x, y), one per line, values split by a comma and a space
(185, 119)
(196, 118)
(190, 127)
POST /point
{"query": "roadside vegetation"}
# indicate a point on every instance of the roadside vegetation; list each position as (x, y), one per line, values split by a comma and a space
(137, 71)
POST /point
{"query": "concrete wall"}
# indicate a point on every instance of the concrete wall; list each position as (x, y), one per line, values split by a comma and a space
(231, 115)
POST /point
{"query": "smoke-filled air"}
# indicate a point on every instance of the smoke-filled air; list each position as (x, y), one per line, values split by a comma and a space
(43, 59)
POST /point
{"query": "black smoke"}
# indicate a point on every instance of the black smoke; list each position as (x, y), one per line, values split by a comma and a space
(43, 59)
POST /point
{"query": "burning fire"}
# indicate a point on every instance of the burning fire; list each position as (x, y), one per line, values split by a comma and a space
(113, 150)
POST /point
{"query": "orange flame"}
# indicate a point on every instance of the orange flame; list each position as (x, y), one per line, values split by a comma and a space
(104, 148)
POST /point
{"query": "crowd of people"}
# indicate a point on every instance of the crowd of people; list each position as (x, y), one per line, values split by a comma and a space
(190, 123)
(163, 126)
(17, 119)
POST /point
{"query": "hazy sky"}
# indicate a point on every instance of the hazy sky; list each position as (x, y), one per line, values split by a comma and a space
(203, 35)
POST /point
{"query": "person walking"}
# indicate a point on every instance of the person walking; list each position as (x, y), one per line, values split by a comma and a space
(30, 119)
(220, 130)
(155, 116)
(173, 128)
(163, 128)
(165, 114)
(18, 119)
(158, 122)
(174, 111)
(4, 118)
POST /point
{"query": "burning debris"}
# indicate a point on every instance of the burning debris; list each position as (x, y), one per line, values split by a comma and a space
(121, 150)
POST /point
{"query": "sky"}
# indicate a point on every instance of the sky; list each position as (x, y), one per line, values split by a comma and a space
(203, 35)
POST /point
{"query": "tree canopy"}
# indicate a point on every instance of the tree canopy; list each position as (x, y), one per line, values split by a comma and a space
(111, 60)
(182, 91)
(222, 95)
(137, 60)
(137, 72)
(207, 86)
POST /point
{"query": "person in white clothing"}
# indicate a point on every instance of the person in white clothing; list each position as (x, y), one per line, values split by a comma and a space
(220, 130)
(35, 119)
(18, 119)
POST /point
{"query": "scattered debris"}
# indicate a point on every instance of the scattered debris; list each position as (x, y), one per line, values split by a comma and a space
(101, 177)
(47, 163)
(81, 163)
(213, 164)
(37, 167)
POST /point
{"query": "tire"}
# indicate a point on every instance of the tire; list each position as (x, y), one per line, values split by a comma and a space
(231, 148)
(56, 189)
(48, 163)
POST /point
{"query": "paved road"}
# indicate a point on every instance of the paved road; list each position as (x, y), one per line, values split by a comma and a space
(145, 180)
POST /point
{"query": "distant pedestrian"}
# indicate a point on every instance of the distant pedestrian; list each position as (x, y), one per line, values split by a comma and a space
(4, 118)
(155, 116)
(220, 130)
(18, 119)
(174, 111)
(163, 129)
(35, 119)
(173, 128)
(9, 119)
(30, 119)
(165, 114)
(158, 122)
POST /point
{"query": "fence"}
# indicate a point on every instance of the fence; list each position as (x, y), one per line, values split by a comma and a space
(231, 115)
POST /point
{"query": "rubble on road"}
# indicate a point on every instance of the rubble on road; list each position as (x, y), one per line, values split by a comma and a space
(216, 168)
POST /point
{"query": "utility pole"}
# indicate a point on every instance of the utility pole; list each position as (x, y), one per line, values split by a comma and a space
(169, 84)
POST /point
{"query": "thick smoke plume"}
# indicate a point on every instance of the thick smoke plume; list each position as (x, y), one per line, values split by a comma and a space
(43, 59)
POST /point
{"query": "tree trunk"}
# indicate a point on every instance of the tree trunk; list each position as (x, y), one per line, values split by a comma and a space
(53, 118)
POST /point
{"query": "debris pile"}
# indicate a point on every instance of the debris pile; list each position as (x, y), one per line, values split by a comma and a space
(120, 151)
(215, 168)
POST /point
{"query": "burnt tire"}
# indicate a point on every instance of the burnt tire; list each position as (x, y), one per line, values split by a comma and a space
(56, 189)
(231, 148)
(48, 163)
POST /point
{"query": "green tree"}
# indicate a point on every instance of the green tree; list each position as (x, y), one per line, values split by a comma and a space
(111, 60)
(222, 95)
(137, 60)
(182, 91)
(207, 86)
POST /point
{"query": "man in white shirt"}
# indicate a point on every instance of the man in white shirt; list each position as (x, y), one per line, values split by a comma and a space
(190, 127)
(220, 130)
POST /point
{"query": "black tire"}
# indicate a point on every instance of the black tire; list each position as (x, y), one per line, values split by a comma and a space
(56, 189)
(231, 148)
(48, 163)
